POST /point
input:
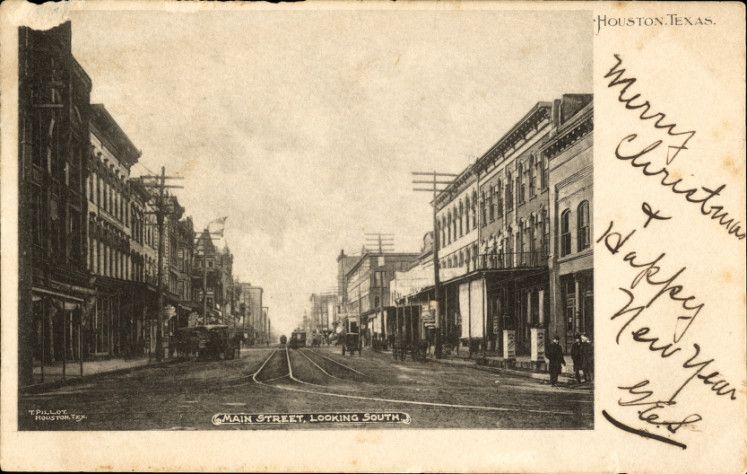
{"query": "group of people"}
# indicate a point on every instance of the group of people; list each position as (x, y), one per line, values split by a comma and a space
(582, 354)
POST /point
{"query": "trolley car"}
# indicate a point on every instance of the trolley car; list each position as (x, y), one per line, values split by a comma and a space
(298, 339)
(351, 338)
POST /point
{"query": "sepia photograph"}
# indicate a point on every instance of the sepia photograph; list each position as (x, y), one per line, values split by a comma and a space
(372, 236)
(264, 231)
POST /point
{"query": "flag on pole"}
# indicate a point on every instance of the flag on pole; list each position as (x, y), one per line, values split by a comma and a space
(216, 227)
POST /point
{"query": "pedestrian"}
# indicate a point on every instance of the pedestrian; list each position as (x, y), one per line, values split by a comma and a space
(554, 355)
(587, 356)
(577, 357)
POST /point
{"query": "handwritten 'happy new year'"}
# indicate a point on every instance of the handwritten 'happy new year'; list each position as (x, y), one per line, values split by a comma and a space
(655, 410)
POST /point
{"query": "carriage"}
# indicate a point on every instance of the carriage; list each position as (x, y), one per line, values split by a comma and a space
(283, 340)
(211, 341)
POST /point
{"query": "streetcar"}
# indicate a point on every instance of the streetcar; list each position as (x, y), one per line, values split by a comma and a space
(350, 336)
(298, 339)
(283, 340)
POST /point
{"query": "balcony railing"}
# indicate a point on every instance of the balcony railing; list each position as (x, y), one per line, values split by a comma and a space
(501, 261)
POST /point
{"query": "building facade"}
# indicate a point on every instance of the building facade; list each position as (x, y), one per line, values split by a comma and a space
(570, 157)
(116, 328)
(368, 293)
(251, 308)
(55, 291)
(212, 280)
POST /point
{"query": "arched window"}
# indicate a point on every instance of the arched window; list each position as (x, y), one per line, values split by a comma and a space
(509, 192)
(467, 211)
(474, 209)
(565, 233)
(499, 198)
(461, 219)
(491, 204)
(584, 234)
(532, 176)
(483, 216)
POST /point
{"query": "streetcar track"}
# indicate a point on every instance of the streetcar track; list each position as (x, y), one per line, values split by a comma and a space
(338, 363)
(317, 365)
(290, 371)
(388, 400)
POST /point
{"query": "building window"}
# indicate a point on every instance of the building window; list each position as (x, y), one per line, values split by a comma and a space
(565, 233)
(509, 192)
(499, 198)
(461, 219)
(467, 209)
(483, 217)
(521, 186)
(584, 237)
(532, 177)
(491, 205)
(544, 167)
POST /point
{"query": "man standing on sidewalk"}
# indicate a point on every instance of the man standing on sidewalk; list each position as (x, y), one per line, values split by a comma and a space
(587, 356)
(577, 357)
(555, 357)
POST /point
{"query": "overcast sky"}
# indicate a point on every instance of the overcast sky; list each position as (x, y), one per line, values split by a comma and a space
(303, 127)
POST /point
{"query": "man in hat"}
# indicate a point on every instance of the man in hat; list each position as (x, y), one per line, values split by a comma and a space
(554, 355)
(577, 357)
(587, 356)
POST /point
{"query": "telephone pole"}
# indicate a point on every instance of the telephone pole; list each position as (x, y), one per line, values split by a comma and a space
(162, 209)
(384, 242)
(439, 182)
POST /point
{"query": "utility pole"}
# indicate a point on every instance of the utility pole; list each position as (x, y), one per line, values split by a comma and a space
(439, 182)
(162, 209)
(384, 242)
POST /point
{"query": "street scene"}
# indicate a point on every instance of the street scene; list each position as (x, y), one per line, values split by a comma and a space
(253, 235)
(282, 381)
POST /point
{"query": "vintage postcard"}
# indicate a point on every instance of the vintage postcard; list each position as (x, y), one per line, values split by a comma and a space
(337, 236)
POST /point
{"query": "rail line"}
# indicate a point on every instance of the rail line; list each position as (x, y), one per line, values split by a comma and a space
(338, 363)
(327, 393)
(317, 365)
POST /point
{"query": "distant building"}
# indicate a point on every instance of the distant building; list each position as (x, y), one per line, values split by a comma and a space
(251, 301)
(212, 280)
(368, 294)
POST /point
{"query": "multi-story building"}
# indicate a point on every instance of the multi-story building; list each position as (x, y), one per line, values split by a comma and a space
(55, 294)
(322, 312)
(212, 279)
(515, 226)
(344, 264)
(368, 294)
(494, 230)
(251, 299)
(569, 152)
(457, 247)
(115, 328)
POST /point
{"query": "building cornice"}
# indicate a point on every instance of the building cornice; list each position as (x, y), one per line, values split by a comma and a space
(571, 132)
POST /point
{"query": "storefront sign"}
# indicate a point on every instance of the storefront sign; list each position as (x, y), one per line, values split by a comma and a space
(538, 344)
(509, 344)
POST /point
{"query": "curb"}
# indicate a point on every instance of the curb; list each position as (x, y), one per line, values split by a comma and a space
(45, 386)
(562, 378)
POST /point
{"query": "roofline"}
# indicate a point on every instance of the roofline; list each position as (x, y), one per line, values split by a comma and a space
(134, 153)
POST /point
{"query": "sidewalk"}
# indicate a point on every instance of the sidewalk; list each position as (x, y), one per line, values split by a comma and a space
(53, 372)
